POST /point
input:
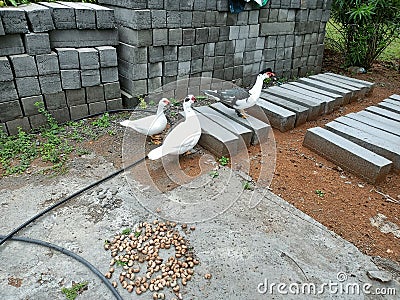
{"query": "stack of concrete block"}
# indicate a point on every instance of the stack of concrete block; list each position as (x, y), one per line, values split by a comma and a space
(163, 41)
(59, 53)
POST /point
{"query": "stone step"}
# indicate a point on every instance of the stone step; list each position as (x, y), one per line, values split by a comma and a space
(339, 81)
(376, 122)
(356, 92)
(347, 154)
(389, 106)
(329, 102)
(391, 101)
(375, 144)
(316, 106)
(244, 133)
(366, 83)
(395, 97)
(384, 113)
(395, 139)
(260, 129)
(215, 138)
(338, 98)
(345, 93)
(301, 112)
(279, 117)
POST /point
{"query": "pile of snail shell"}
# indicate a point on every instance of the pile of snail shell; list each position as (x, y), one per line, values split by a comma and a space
(138, 252)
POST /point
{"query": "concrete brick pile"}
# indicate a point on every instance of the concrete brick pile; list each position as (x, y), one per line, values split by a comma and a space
(60, 53)
(164, 40)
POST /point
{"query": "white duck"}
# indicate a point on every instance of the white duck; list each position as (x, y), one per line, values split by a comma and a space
(151, 125)
(239, 98)
(183, 137)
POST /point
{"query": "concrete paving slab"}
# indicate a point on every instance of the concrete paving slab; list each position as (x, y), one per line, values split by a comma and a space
(347, 94)
(316, 106)
(234, 127)
(389, 106)
(259, 128)
(395, 97)
(392, 102)
(376, 122)
(364, 89)
(384, 113)
(373, 143)
(366, 83)
(356, 92)
(369, 129)
(338, 98)
(216, 138)
(244, 249)
(300, 111)
(279, 117)
(348, 155)
(329, 102)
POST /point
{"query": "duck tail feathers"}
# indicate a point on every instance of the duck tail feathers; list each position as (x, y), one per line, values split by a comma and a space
(155, 153)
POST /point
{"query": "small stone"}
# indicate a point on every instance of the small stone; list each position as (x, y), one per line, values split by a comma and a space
(207, 276)
(380, 275)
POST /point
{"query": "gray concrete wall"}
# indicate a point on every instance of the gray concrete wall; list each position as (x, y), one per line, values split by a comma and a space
(61, 53)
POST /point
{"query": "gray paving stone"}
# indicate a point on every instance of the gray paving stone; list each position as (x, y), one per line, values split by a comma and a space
(156, 54)
(154, 84)
(47, 63)
(170, 53)
(97, 107)
(37, 43)
(14, 125)
(112, 90)
(11, 44)
(366, 83)
(27, 86)
(6, 73)
(90, 77)
(133, 87)
(39, 17)
(138, 4)
(160, 37)
(88, 58)
(347, 154)
(14, 20)
(170, 68)
(373, 143)
(68, 58)
(61, 115)
(392, 102)
(155, 69)
(95, 93)
(198, 19)
(279, 117)
(376, 121)
(378, 132)
(175, 36)
(357, 93)
(245, 134)
(78, 111)
(389, 106)
(10, 110)
(37, 121)
(158, 18)
(2, 32)
(105, 18)
(70, 79)
(184, 68)
(217, 139)
(55, 101)
(316, 106)
(188, 36)
(76, 97)
(277, 28)
(259, 128)
(50, 84)
(133, 37)
(114, 104)
(23, 65)
(3, 128)
(28, 105)
(330, 102)
(364, 89)
(135, 19)
(300, 111)
(384, 113)
(83, 38)
(134, 54)
(346, 94)
(128, 101)
(338, 98)
(63, 16)
(85, 17)
(132, 71)
(109, 74)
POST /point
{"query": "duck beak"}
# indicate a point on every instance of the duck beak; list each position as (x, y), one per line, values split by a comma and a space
(194, 99)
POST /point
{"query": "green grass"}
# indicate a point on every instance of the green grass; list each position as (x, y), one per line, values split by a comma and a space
(77, 288)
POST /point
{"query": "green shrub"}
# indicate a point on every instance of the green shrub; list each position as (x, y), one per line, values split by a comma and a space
(365, 28)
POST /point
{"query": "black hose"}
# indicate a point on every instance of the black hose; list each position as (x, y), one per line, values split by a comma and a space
(37, 216)
(74, 256)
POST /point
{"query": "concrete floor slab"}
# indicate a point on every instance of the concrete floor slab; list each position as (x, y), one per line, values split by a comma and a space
(384, 113)
(375, 122)
(279, 117)
(338, 98)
